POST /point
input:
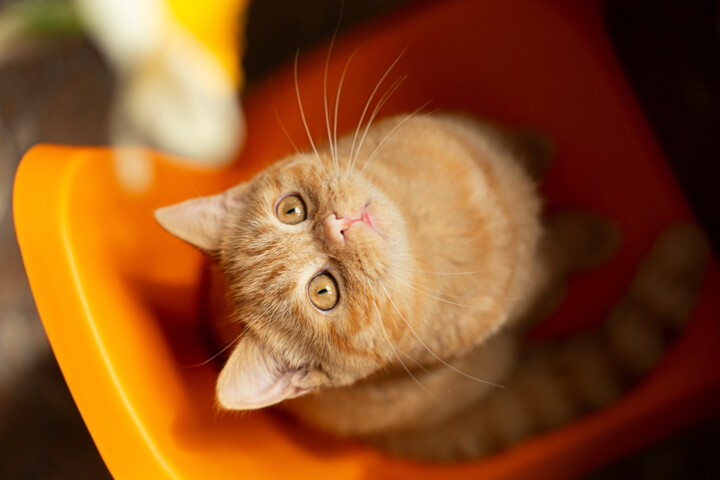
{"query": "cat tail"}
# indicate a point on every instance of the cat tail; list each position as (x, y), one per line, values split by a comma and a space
(557, 382)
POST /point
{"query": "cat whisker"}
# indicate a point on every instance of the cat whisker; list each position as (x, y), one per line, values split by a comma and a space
(300, 106)
(272, 315)
(399, 267)
(431, 253)
(283, 128)
(381, 102)
(409, 284)
(431, 272)
(318, 175)
(331, 145)
(332, 137)
(437, 357)
(418, 364)
(445, 246)
(235, 340)
(395, 352)
(370, 99)
(470, 240)
(386, 137)
(337, 98)
(426, 288)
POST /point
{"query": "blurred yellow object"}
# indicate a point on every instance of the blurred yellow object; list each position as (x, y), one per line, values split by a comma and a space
(178, 71)
(218, 26)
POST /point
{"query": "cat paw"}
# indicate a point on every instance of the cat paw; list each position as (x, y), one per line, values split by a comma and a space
(580, 240)
(659, 299)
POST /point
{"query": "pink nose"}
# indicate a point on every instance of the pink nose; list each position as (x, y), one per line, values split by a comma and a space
(335, 228)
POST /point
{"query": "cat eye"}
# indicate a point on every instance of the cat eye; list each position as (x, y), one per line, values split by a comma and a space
(291, 210)
(323, 291)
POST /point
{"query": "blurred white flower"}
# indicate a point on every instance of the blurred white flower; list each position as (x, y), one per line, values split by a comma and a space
(172, 93)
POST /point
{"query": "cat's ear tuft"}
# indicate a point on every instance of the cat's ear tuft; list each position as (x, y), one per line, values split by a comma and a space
(253, 378)
(200, 221)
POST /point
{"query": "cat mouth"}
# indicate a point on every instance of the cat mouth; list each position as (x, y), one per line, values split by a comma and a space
(336, 227)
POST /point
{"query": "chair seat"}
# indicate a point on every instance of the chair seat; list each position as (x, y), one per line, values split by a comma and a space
(119, 297)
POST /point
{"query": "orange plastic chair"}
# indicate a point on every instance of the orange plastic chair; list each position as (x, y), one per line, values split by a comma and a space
(119, 297)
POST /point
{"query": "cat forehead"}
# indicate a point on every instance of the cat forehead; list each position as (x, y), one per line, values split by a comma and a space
(297, 169)
(269, 262)
(321, 188)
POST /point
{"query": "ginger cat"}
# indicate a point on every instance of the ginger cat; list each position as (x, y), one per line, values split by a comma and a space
(380, 287)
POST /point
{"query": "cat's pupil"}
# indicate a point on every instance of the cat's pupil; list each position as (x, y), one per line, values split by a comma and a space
(290, 209)
(323, 291)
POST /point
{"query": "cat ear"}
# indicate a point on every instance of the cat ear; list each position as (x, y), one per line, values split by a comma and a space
(200, 221)
(253, 378)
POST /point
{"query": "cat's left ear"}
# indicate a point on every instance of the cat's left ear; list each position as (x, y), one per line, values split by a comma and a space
(201, 221)
(253, 377)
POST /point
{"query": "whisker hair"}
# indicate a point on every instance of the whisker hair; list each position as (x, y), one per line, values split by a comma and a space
(370, 99)
(426, 288)
(333, 153)
(381, 102)
(387, 136)
(218, 353)
(397, 355)
(437, 357)
(300, 105)
(283, 128)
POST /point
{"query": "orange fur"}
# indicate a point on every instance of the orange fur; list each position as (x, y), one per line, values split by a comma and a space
(433, 290)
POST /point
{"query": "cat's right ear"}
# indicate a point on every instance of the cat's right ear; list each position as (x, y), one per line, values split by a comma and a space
(201, 221)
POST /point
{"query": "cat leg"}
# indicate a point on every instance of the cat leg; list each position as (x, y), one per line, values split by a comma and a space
(413, 398)
(572, 241)
(590, 371)
(534, 399)
(659, 299)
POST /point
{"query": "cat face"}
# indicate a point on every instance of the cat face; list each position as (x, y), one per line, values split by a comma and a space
(412, 253)
(308, 252)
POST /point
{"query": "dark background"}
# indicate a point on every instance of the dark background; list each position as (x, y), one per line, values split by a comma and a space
(669, 49)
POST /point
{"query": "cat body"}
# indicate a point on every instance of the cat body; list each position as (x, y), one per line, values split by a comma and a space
(380, 286)
(464, 267)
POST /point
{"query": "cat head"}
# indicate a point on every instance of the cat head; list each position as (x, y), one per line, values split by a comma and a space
(309, 253)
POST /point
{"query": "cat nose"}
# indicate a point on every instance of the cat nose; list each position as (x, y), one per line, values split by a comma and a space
(334, 228)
